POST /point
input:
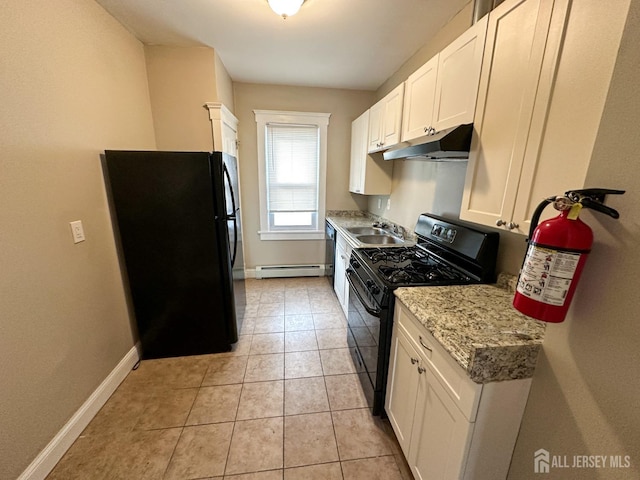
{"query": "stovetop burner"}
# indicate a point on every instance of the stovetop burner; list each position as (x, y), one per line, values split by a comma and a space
(418, 272)
(411, 266)
(393, 254)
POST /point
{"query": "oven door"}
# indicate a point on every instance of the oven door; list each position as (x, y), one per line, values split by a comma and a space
(365, 318)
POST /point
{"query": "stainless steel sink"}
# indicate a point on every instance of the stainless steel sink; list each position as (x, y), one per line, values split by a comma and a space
(379, 239)
(367, 231)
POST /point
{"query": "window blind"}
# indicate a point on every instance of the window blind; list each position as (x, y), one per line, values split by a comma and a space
(292, 164)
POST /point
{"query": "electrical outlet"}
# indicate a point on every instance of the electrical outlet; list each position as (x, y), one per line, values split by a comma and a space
(77, 231)
(379, 203)
(389, 203)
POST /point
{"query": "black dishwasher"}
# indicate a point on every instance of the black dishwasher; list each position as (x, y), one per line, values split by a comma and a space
(330, 236)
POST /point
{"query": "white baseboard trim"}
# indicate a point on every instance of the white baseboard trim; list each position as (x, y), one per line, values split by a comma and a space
(57, 447)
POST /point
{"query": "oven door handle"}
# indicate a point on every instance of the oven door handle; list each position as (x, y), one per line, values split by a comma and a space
(371, 310)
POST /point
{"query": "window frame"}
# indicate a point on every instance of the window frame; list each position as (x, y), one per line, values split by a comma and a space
(320, 120)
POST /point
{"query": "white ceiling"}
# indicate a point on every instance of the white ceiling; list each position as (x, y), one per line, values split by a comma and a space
(355, 44)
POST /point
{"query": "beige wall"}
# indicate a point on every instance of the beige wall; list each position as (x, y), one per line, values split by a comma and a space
(181, 81)
(344, 106)
(584, 397)
(224, 86)
(73, 82)
(447, 34)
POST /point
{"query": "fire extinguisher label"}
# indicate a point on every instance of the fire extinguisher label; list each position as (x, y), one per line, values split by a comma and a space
(547, 274)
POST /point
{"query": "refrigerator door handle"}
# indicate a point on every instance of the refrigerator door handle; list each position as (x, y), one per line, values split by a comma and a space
(233, 194)
(232, 216)
(235, 242)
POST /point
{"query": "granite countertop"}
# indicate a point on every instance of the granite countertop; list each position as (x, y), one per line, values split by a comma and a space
(479, 328)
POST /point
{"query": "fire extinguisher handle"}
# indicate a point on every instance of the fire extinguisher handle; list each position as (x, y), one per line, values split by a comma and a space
(597, 194)
(599, 207)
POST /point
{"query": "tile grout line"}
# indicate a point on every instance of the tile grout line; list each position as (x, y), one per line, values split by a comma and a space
(182, 429)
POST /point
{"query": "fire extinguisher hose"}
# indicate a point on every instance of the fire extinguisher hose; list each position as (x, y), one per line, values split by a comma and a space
(535, 218)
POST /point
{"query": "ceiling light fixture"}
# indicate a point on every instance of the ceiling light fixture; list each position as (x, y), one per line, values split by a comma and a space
(285, 8)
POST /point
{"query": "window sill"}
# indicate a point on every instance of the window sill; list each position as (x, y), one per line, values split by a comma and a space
(292, 235)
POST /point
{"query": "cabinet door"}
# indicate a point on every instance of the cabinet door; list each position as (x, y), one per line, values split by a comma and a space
(341, 263)
(511, 70)
(376, 119)
(392, 124)
(441, 433)
(419, 101)
(367, 175)
(359, 144)
(345, 288)
(458, 77)
(339, 270)
(230, 138)
(540, 176)
(400, 402)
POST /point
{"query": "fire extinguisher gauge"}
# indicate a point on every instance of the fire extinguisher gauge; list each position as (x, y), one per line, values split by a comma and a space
(563, 203)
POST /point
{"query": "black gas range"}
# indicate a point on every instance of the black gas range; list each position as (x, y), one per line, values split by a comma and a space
(448, 252)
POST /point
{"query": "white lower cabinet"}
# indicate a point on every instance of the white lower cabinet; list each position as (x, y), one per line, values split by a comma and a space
(341, 263)
(440, 433)
(448, 426)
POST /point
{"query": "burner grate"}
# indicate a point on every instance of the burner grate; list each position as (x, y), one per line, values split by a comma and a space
(394, 254)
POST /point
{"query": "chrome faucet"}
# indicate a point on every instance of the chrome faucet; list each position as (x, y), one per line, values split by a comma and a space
(399, 231)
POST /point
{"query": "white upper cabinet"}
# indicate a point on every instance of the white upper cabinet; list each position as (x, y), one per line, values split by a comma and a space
(458, 76)
(419, 101)
(523, 43)
(224, 126)
(442, 93)
(368, 175)
(385, 121)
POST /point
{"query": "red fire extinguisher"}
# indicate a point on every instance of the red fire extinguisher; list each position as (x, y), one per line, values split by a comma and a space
(556, 255)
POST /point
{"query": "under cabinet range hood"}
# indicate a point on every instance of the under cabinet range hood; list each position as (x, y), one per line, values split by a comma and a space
(451, 144)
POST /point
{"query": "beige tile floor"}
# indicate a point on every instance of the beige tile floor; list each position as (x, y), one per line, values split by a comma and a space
(285, 404)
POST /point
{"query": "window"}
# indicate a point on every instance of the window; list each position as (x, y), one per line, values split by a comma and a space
(292, 155)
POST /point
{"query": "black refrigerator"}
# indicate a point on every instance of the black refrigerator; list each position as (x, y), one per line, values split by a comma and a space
(180, 238)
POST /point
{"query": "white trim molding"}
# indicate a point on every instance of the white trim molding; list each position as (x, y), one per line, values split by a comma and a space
(57, 447)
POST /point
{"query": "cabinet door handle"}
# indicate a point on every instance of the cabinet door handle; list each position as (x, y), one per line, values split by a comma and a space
(512, 225)
(500, 222)
(414, 361)
(422, 343)
(421, 370)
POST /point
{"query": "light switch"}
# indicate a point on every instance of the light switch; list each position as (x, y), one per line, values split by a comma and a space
(77, 231)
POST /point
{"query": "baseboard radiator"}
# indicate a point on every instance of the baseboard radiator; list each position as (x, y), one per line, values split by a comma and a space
(281, 271)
